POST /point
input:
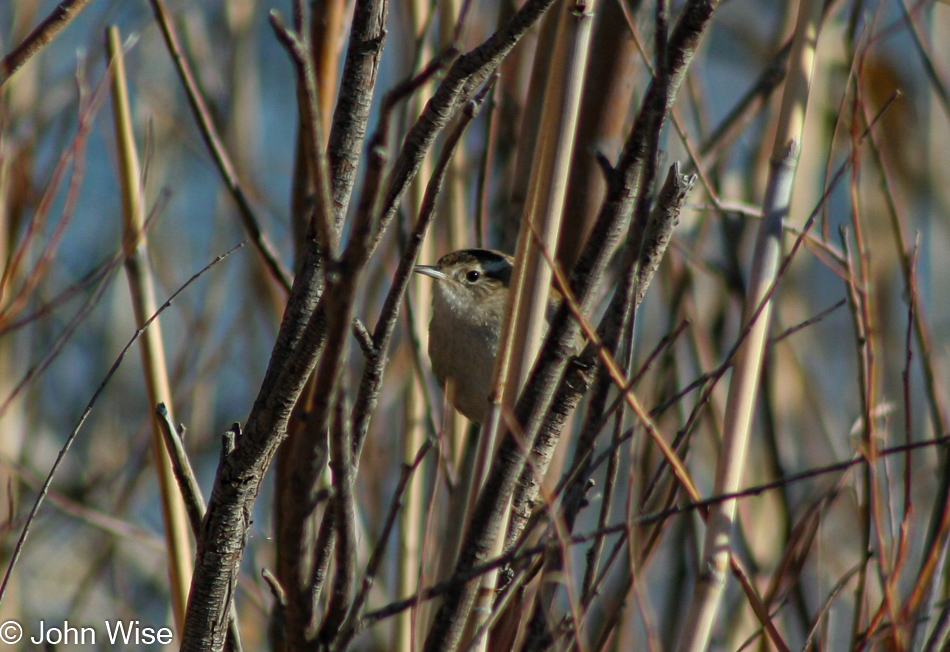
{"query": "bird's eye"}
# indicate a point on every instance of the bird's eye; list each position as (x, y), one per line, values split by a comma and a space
(473, 276)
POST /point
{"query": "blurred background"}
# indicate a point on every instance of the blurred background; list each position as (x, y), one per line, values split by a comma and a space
(96, 550)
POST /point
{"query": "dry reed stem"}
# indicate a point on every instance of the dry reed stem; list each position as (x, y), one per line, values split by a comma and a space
(526, 314)
(747, 369)
(142, 291)
(411, 572)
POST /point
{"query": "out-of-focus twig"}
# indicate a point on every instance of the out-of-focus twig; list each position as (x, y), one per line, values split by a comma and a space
(40, 37)
(353, 622)
(209, 133)
(44, 490)
(708, 591)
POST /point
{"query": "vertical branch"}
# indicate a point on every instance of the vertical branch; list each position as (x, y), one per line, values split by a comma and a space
(193, 499)
(409, 567)
(344, 516)
(747, 369)
(528, 131)
(326, 24)
(142, 290)
(300, 560)
(311, 145)
(608, 92)
(360, 69)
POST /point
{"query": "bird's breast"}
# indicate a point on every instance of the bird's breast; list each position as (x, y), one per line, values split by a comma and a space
(462, 348)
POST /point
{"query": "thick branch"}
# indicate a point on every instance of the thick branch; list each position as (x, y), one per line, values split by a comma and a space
(367, 36)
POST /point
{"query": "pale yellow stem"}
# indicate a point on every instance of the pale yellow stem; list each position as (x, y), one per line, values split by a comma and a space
(746, 372)
(144, 306)
(540, 226)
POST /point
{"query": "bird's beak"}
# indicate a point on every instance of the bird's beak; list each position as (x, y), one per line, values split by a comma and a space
(430, 270)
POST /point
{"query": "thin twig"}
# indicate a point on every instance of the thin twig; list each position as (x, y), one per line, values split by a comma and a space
(309, 100)
(353, 623)
(520, 554)
(222, 160)
(184, 474)
(18, 549)
(194, 501)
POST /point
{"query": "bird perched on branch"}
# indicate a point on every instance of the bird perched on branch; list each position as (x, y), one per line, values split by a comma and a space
(468, 311)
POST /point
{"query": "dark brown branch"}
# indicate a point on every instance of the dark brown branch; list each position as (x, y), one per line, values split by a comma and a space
(316, 321)
(301, 460)
(40, 37)
(312, 148)
(300, 340)
(360, 69)
(309, 451)
(344, 515)
(647, 241)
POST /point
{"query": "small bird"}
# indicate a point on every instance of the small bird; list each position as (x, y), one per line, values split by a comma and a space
(468, 308)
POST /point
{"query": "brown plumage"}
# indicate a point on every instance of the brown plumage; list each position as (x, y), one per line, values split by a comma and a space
(468, 308)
